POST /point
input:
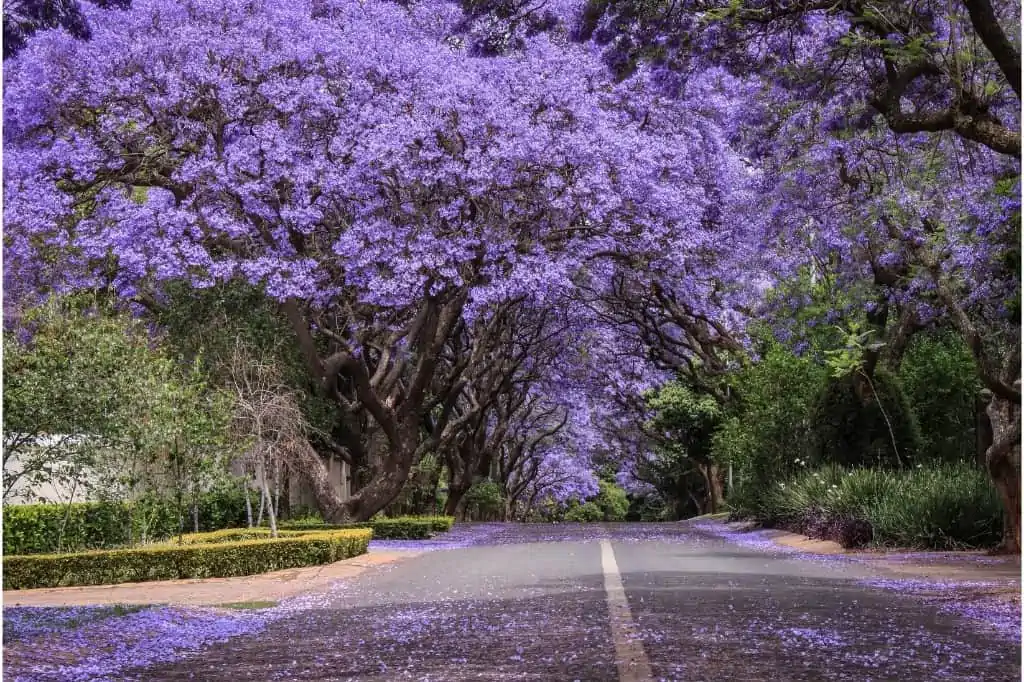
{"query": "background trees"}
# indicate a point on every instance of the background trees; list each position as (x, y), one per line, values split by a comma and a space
(485, 248)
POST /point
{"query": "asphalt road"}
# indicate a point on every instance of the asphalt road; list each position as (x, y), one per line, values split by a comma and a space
(605, 603)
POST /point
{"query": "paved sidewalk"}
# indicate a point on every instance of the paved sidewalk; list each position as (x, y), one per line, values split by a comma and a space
(210, 591)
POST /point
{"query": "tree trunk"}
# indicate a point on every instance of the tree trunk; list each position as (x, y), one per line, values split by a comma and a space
(269, 497)
(713, 487)
(983, 428)
(248, 505)
(1002, 459)
(456, 491)
(716, 495)
(381, 492)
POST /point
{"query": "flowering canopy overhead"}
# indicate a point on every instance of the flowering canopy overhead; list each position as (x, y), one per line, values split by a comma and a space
(374, 169)
(329, 151)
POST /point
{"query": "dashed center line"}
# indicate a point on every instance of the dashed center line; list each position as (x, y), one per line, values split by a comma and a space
(630, 657)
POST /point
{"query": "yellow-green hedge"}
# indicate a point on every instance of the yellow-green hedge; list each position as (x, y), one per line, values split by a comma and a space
(241, 534)
(398, 528)
(198, 559)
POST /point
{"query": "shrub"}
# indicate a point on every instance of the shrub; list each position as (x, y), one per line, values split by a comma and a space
(612, 501)
(400, 528)
(240, 534)
(848, 432)
(190, 561)
(588, 512)
(441, 524)
(483, 500)
(766, 431)
(941, 506)
(35, 528)
(941, 382)
(648, 508)
(948, 506)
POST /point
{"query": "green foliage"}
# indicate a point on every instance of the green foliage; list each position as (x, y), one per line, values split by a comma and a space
(484, 500)
(648, 508)
(948, 506)
(239, 534)
(441, 524)
(588, 512)
(78, 382)
(934, 506)
(399, 528)
(205, 324)
(941, 382)
(419, 496)
(93, 403)
(612, 501)
(686, 418)
(765, 434)
(851, 431)
(171, 562)
(35, 528)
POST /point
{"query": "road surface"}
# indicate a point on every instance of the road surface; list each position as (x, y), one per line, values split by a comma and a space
(605, 603)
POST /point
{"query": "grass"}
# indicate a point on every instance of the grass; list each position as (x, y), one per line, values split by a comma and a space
(934, 506)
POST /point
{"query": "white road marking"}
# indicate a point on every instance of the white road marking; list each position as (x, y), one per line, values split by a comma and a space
(629, 650)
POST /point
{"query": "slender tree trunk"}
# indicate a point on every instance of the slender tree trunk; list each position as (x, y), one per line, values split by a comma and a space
(1001, 460)
(67, 516)
(983, 428)
(269, 496)
(248, 504)
(263, 505)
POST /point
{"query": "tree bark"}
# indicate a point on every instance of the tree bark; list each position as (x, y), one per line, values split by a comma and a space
(716, 495)
(456, 491)
(983, 428)
(1003, 463)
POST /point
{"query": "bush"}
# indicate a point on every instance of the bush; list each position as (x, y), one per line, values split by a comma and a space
(766, 433)
(648, 508)
(940, 379)
(588, 512)
(941, 506)
(441, 524)
(848, 432)
(612, 501)
(949, 506)
(400, 528)
(189, 561)
(483, 500)
(35, 528)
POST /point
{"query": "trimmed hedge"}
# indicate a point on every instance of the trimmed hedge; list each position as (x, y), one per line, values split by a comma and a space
(441, 524)
(217, 559)
(34, 528)
(400, 528)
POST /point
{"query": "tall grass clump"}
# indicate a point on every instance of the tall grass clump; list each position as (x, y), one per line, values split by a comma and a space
(933, 506)
(944, 506)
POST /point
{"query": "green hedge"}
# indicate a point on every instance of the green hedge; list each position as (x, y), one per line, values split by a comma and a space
(189, 561)
(400, 528)
(441, 524)
(35, 528)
